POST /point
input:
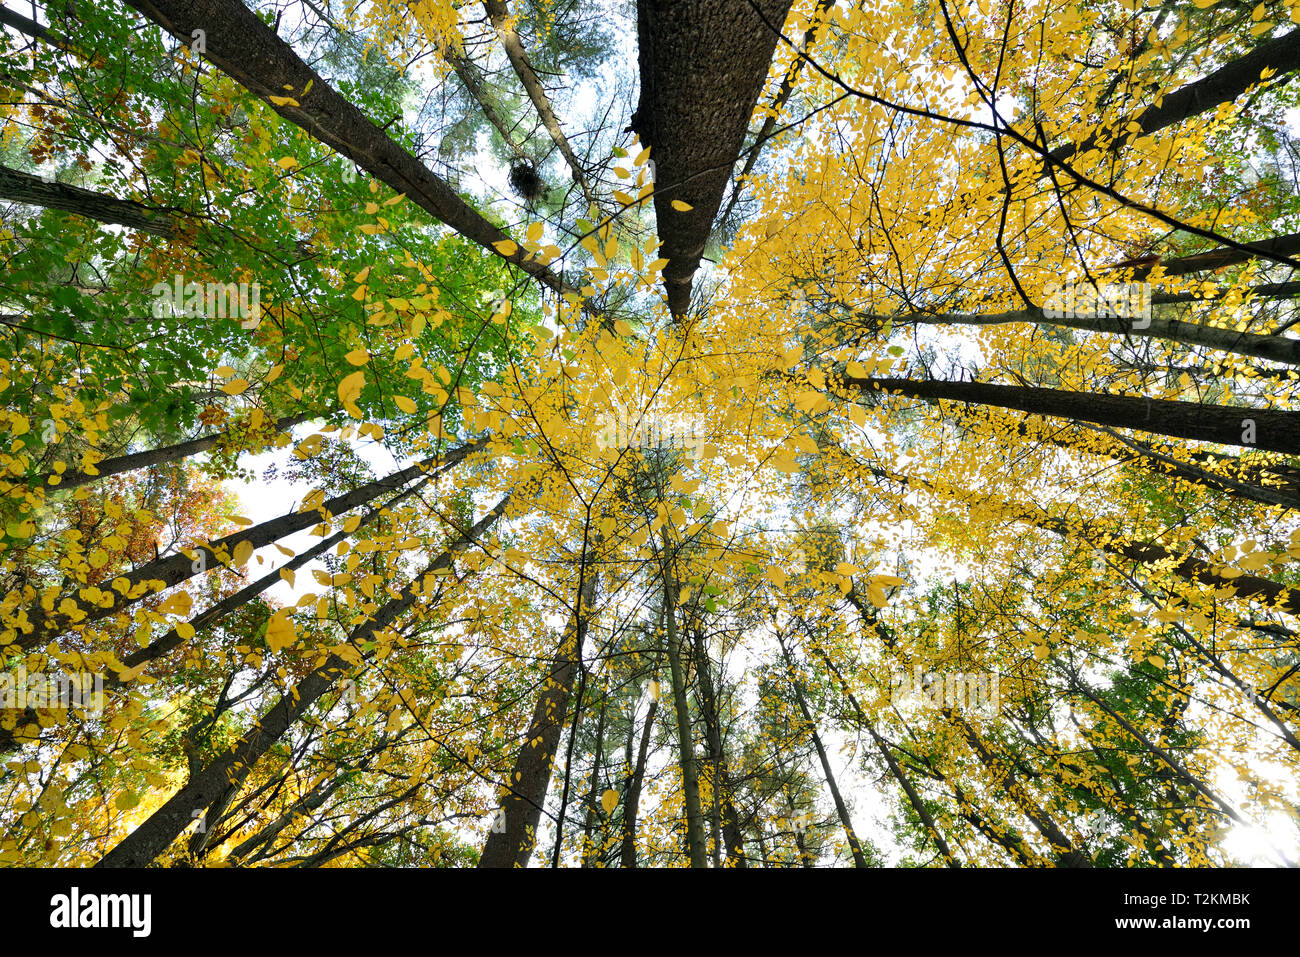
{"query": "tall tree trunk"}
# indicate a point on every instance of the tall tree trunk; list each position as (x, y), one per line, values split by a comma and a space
(1274, 348)
(25, 188)
(841, 809)
(174, 569)
(702, 64)
(695, 843)
(1226, 425)
(632, 799)
(512, 844)
(247, 50)
(156, 833)
(498, 12)
(589, 855)
(726, 825)
(150, 457)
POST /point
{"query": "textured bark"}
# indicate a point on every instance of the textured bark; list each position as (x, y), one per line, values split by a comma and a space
(173, 569)
(703, 64)
(633, 788)
(498, 12)
(1274, 430)
(233, 766)
(1226, 83)
(512, 845)
(170, 453)
(1274, 348)
(32, 190)
(247, 50)
(768, 128)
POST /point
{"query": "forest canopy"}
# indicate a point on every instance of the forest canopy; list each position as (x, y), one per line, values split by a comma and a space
(649, 433)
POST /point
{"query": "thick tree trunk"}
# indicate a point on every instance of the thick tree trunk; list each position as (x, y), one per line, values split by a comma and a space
(1281, 55)
(703, 64)
(512, 843)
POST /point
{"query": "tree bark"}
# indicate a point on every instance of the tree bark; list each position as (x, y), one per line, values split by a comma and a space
(247, 50)
(170, 453)
(233, 766)
(521, 809)
(702, 64)
(1226, 425)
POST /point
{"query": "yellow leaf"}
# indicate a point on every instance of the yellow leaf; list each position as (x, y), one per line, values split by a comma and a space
(506, 247)
(280, 632)
(350, 387)
(242, 553)
(609, 801)
(286, 162)
(681, 207)
(283, 101)
(358, 357)
(235, 386)
(405, 404)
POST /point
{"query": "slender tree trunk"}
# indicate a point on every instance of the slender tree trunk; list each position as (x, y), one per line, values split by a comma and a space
(174, 569)
(726, 826)
(695, 842)
(1274, 348)
(589, 850)
(233, 766)
(633, 789)
(841, 809)
(512, 843)
(150, 457)
(25, 188)
(1227, 425)
(498, 12)
(1004, 779)
(247, 50)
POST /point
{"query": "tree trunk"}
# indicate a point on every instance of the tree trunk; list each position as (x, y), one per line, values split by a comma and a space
(157, 832)
(703, 64)
(521, 809)
(1227, 425)
(170, 453)
(174, 569)
(695, 843)
(633, 789)
(247, 50)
